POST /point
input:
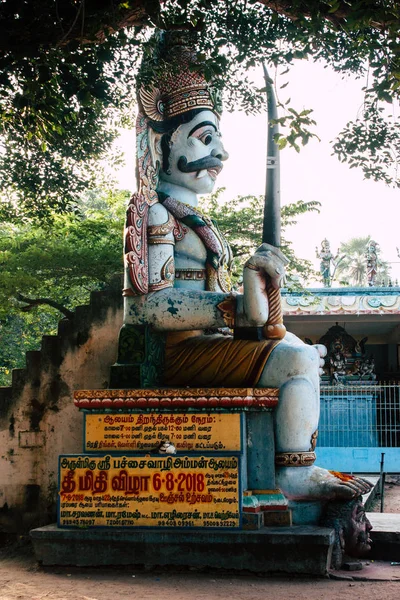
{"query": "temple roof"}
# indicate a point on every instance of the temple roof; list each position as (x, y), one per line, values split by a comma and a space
(351, 301)
(365, 311)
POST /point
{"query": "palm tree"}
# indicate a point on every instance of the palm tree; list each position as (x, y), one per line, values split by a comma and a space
(352, 263)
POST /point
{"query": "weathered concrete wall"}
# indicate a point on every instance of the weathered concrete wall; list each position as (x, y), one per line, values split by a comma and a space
(38, 420)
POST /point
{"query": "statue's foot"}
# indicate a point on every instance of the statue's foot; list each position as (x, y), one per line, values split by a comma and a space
(314, 483)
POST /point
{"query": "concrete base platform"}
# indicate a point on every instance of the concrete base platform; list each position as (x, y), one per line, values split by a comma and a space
(298, 549)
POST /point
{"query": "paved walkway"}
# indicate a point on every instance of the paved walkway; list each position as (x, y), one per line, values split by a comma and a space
(385, 522)
(374, 570)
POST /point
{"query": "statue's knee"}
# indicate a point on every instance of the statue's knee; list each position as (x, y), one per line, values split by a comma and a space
(302, 360)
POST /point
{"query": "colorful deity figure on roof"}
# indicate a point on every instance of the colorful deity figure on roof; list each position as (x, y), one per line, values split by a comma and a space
(327, 260)
(372, 262)
(177, 279)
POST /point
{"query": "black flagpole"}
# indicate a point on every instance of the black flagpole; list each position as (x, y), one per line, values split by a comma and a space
(271, 233)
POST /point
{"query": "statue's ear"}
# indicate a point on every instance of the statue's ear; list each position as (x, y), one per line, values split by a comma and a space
(155, 147)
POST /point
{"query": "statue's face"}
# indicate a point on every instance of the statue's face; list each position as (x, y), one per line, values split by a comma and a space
(325, 246)
(357, 538)
(196, 154)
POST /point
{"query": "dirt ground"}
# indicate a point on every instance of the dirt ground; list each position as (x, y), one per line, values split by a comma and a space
(21, 578)
(391, 500)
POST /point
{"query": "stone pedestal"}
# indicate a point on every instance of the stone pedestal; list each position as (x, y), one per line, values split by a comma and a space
(302, 550)
(125, 500)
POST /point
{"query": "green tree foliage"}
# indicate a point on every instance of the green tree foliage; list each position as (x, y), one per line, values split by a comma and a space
(63, 261)
(241, 221)
(352, 263)
(60, 109)
(60, 263)
(67, 72)
(20, 333)
(371, 143)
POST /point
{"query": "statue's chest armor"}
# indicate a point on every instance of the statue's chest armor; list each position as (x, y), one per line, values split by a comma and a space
(190, 252)
(190, 264)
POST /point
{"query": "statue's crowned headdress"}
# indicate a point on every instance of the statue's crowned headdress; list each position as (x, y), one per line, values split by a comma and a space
(176, 83)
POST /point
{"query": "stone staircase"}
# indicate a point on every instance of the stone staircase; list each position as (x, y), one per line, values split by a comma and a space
(38, 419)
(72, 333)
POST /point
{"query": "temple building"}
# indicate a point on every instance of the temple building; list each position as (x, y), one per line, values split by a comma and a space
(369, 316)
(360, 400)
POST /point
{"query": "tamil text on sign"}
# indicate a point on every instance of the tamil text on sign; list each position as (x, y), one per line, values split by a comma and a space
(120, 491)
(145, 431)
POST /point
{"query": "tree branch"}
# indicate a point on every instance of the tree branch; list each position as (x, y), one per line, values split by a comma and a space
(32, 302)
(51, 24)
(48, 24)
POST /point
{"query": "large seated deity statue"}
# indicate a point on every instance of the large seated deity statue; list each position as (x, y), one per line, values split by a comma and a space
(177, 275)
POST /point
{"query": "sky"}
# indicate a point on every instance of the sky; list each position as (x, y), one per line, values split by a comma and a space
(351, 206)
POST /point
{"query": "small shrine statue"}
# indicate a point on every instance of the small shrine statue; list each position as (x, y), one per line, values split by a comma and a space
(337, 366)
(372, 262)
(327, 258)
(177, 274)
(366, 369)
(346, 360)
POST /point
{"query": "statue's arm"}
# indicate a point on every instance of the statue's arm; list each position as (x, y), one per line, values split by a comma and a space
(165, 307)
(177, 309)
(169, 308)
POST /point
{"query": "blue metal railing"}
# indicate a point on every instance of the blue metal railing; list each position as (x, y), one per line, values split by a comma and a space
(366, 416)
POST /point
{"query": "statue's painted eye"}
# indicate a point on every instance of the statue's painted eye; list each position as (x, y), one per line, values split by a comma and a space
(207, 139)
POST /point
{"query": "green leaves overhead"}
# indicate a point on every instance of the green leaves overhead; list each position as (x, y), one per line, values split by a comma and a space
(59, 113)
(297, 125)
(372, 143)
(68, 72)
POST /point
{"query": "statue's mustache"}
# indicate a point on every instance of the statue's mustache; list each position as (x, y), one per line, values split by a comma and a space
(208, 162)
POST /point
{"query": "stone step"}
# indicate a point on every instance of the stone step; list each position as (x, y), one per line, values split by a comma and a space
(33, 361)
(385, 536)
(18, 379)
(302, 549)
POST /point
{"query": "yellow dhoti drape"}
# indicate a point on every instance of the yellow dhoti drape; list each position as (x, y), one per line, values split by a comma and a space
(197, 360)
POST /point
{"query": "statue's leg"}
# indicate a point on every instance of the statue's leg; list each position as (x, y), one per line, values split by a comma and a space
(294, 368)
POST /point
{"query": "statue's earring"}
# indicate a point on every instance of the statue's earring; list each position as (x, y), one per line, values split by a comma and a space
(157, 170)
(165, 147)
(158, 146)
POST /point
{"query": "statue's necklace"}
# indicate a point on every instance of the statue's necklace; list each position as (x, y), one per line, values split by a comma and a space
(198, 212)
